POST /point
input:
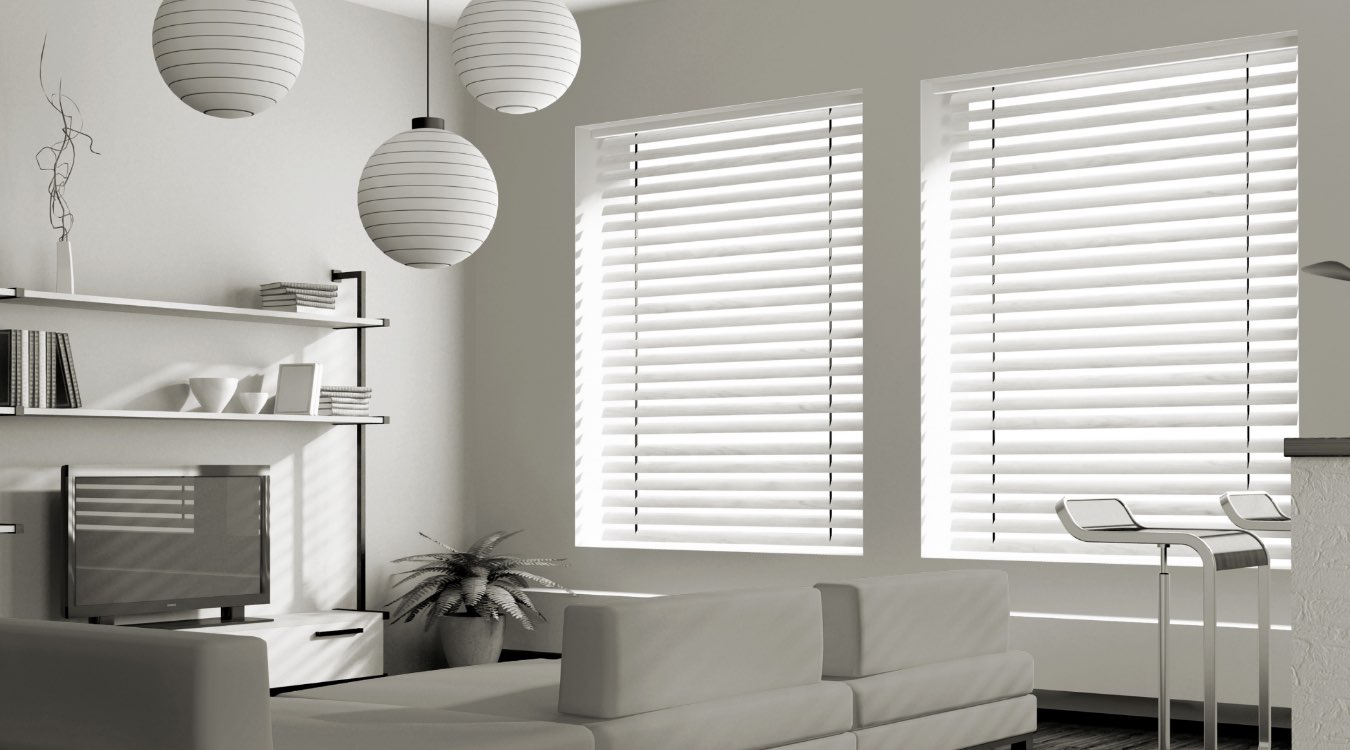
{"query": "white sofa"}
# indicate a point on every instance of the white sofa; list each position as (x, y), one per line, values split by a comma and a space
(908, 662)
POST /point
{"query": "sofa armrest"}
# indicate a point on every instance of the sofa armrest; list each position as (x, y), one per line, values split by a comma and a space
(881, 624)
(67, 686)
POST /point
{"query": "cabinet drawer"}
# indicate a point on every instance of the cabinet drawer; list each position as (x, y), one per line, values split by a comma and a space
(302, 650)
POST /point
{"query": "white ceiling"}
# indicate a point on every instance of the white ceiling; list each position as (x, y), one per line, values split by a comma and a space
(446, 12)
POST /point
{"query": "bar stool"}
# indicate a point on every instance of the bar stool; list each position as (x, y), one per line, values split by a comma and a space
(1108, 521)
(1257, 511)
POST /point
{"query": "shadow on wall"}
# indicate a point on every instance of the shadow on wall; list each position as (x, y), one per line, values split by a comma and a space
(33, 563)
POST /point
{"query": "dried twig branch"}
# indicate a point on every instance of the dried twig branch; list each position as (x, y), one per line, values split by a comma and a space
(59, 158)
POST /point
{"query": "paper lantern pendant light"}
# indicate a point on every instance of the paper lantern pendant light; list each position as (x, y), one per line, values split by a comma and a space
(229, 58)
(428, 198)
(516, 56)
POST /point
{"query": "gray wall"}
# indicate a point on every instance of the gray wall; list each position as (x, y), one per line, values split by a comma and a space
(185, 207)
(665, 57)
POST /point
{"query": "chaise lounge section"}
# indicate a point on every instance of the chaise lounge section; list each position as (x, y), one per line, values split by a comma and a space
(721, 671)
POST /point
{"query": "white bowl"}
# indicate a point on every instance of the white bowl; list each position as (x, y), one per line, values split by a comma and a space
(253, 402)
(213, 393)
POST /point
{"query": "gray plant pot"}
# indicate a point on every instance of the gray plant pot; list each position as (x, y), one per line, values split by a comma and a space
(468, 639)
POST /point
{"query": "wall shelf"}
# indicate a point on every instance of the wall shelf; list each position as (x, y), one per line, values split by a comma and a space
(19, 296)
(359, 323)
(190, 415)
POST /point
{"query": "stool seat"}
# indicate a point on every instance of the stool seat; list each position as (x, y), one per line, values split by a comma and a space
(1255, 511)
(1109, 521)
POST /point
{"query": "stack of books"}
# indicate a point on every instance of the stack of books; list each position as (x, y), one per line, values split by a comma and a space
(38, 370)
(295, 296)
(344, 400)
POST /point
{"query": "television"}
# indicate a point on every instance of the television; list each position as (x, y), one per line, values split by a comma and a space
(143, 541)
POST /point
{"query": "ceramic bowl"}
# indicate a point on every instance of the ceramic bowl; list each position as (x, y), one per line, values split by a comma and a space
(253, 402)
(213, 393)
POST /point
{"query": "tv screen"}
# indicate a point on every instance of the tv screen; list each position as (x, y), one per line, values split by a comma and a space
(165, 540)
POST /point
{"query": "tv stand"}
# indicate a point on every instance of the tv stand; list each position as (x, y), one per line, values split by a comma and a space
(206, 622)
(228, 616)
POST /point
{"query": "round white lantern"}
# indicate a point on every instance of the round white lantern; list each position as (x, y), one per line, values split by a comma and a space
(427, 197)
(516, 56)
(229, 58)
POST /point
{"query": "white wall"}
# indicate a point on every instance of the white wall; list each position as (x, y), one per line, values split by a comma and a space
(663, 57)
(185, 207)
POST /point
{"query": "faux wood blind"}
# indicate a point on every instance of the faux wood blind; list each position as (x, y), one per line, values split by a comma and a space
(1121, 260)
(720, 331)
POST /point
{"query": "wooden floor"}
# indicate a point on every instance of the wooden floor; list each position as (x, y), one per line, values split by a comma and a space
(1066, 733)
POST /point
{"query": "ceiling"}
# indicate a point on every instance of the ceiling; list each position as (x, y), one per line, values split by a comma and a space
(446, 12)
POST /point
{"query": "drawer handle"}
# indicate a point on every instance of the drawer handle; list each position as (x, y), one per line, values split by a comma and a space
(335, 633)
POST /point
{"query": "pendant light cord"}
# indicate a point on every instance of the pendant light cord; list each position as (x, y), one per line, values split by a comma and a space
(428, 58)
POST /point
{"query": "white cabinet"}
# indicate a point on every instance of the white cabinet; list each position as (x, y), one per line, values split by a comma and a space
(311, 647)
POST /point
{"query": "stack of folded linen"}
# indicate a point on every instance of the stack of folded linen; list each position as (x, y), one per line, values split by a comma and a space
(295, 296)
(344, 400)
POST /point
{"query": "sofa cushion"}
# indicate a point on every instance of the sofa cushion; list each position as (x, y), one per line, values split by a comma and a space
(518, 689)
(528, 690)
(627, 658)
(953, 730)
(744, 722)
(932, 688)
(301, 724)
(881, 624)
(70, 686)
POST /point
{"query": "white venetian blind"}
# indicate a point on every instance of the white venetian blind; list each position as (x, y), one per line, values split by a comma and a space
(1120, 294)
(719, 338)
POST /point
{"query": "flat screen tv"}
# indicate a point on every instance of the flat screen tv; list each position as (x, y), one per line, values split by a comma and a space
(165, 540)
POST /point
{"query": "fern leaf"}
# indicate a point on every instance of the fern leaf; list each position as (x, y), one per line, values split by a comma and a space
(443, 544)
(485, 545)
(526, 575)
(473, 589)
(507, 603)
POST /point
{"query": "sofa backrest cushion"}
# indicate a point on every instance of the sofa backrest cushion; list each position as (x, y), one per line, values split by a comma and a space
(881, 624)
(648, 654)
(68, 686)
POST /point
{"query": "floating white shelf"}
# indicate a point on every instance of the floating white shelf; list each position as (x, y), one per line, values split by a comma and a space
(18, 296)
(190, 415)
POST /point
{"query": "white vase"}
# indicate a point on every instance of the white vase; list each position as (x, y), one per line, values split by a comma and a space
(65, 268)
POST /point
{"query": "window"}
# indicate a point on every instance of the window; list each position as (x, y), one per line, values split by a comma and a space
(1109, 294)
(719, 329)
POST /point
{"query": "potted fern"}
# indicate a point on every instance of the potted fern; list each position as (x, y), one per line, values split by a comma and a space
(466, 593)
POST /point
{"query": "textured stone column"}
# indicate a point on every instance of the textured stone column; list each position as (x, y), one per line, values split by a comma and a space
(1321, 601)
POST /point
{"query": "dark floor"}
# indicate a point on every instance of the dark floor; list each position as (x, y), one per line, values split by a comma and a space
(1064, 731)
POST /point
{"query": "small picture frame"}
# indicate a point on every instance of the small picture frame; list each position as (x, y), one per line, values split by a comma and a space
(298, 389)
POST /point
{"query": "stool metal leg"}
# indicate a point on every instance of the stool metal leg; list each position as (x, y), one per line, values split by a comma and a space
(1164, 619)
(1211, 631)
(1263, 637)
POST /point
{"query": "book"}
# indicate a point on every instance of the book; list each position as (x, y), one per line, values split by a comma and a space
(37, 369)
(345, 412)
(49, 363)
(301, 302)
(9, 368)
(345, 389)
(298, 308)
(25, 374)
(300, 293)
(300, 285)
(68, 379)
